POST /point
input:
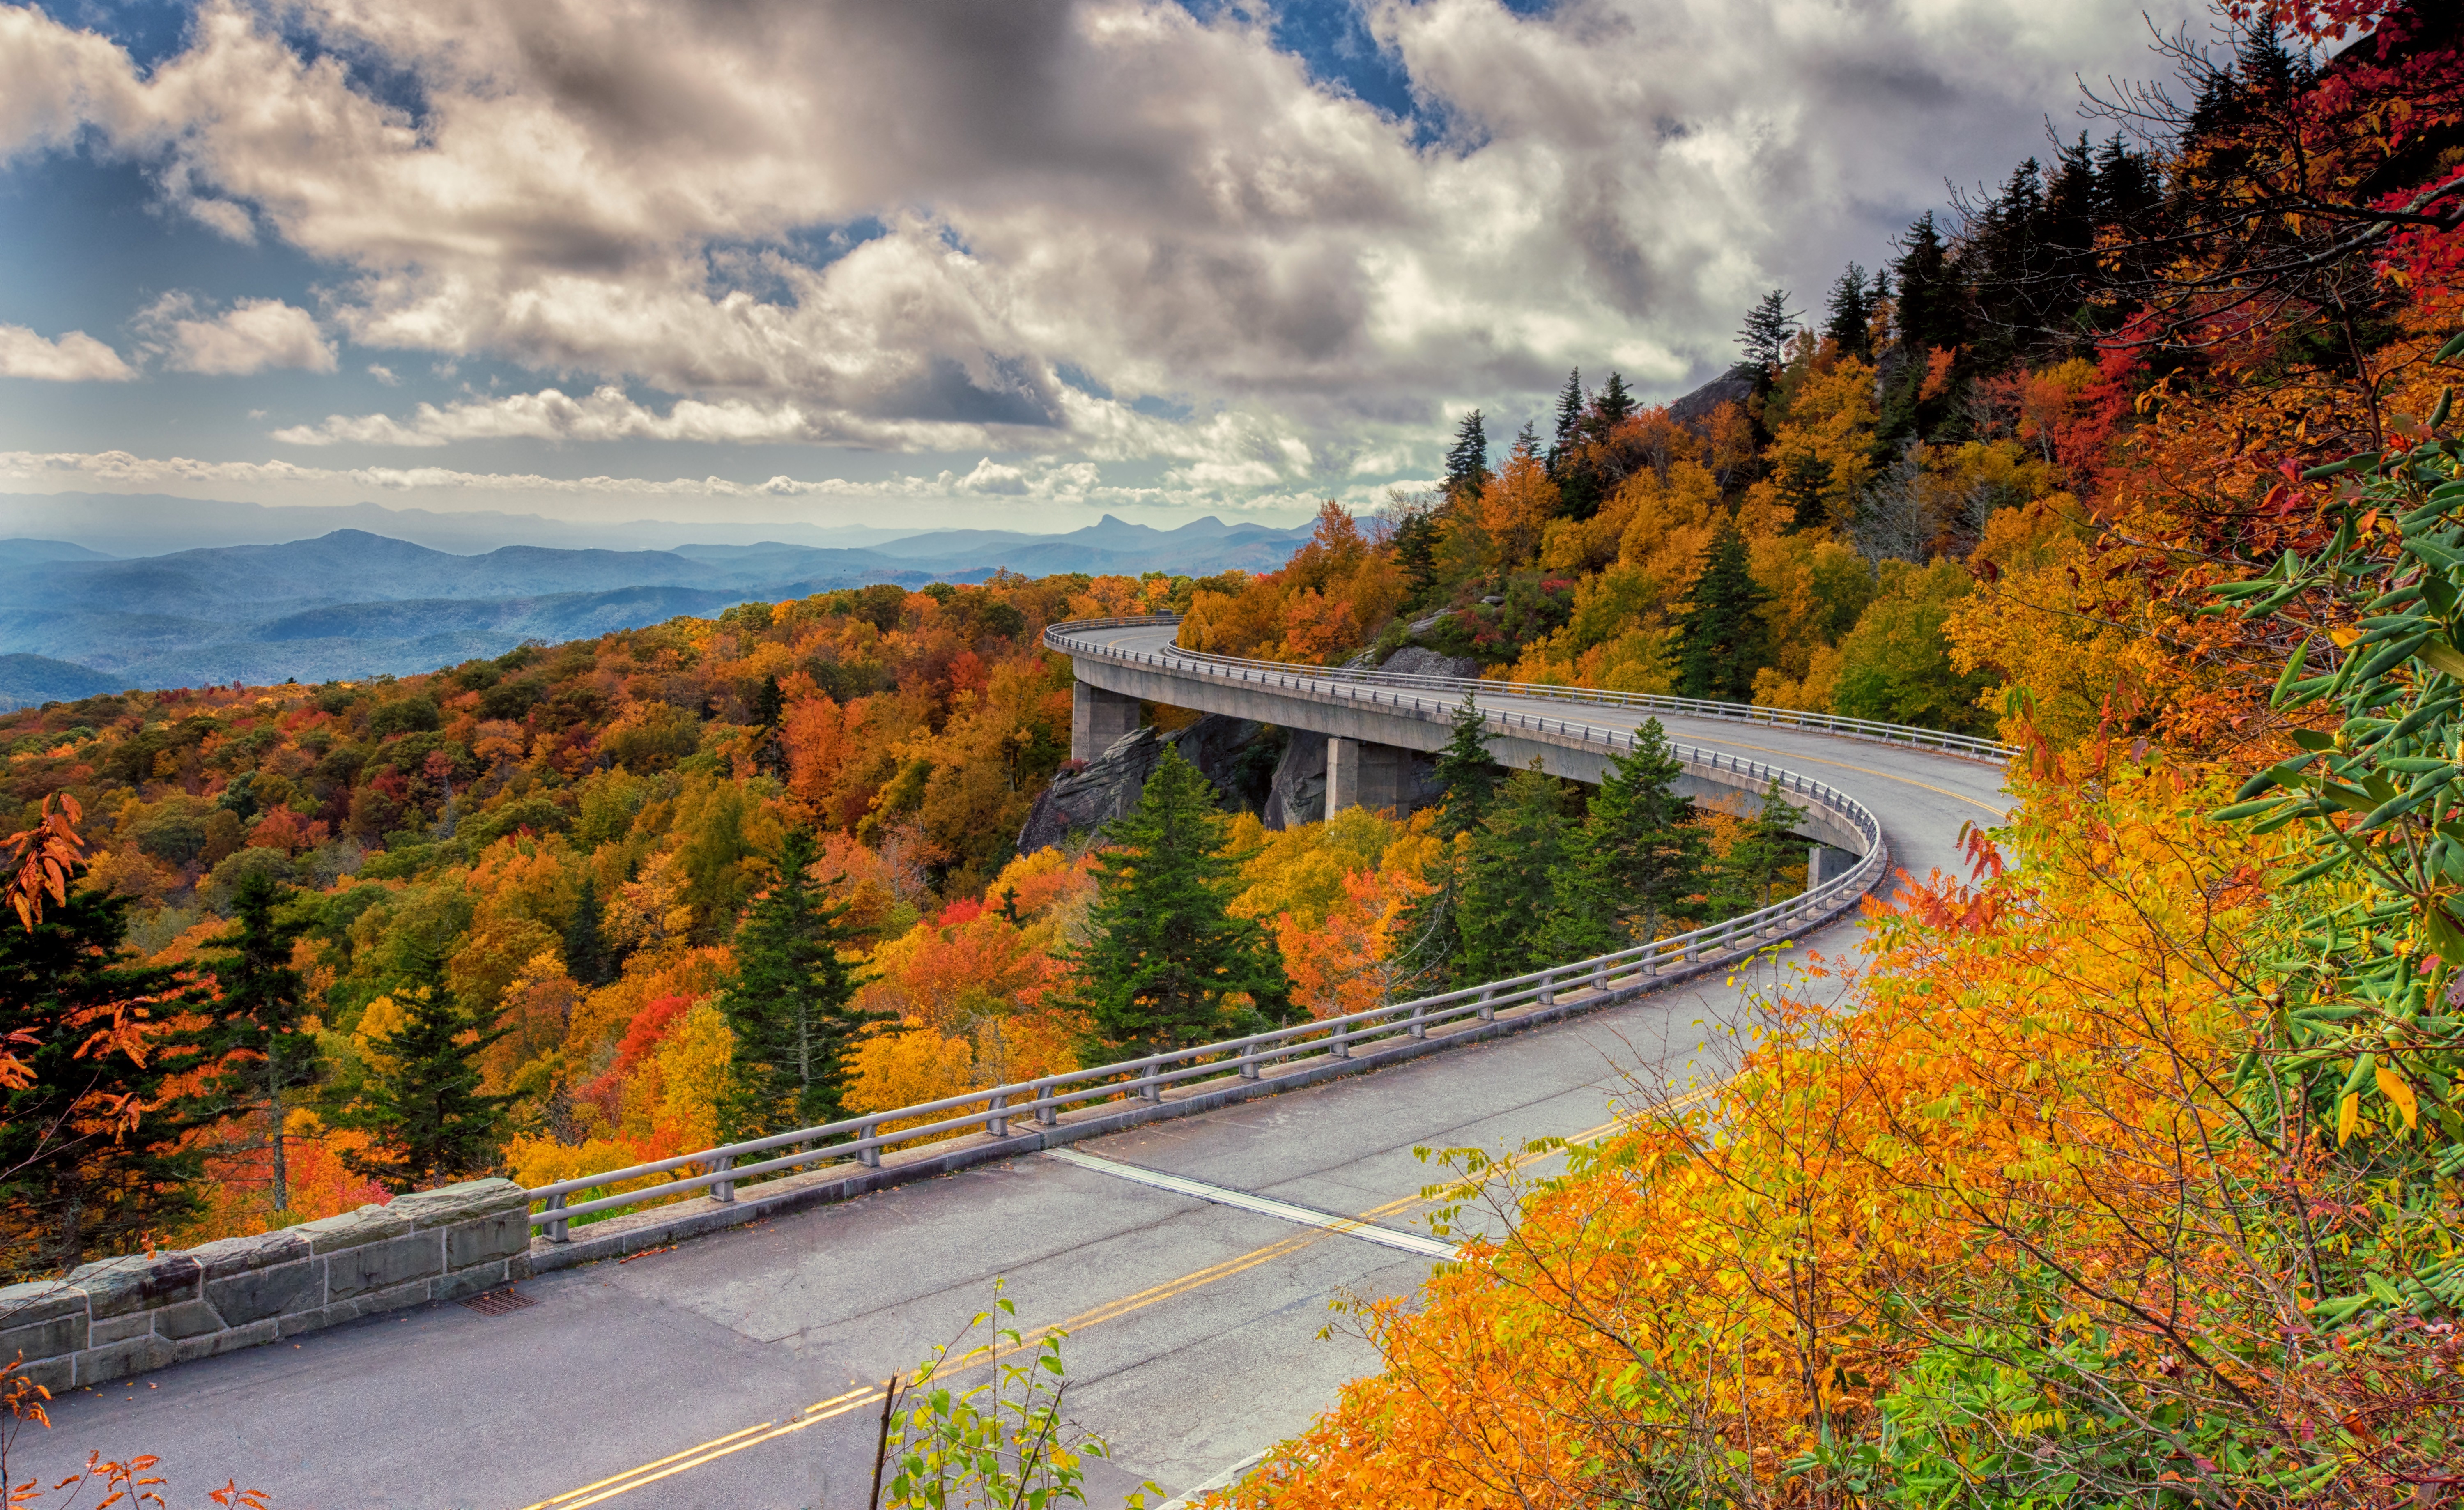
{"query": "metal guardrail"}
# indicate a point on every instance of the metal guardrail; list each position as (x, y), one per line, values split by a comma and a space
(1286, 674)
(862, 1139)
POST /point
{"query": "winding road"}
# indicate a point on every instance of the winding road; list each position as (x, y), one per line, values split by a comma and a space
(1191, 1260)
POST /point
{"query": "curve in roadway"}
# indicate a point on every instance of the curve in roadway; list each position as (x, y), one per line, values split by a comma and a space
(1192, 1262)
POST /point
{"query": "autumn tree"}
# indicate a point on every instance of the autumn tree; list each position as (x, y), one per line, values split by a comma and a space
(792, 1003)
(258, 1038)
(1166, 964)
(1515, 504)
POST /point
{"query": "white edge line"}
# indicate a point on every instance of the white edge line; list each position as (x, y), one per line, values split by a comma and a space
(1349, 1226)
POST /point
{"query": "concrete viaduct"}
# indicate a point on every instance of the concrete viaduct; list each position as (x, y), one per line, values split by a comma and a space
(1191, 1257)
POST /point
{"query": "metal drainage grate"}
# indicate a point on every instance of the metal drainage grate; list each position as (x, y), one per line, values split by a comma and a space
(497, 1302)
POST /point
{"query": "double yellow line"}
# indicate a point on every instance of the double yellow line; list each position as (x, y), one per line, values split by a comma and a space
(814, 1415)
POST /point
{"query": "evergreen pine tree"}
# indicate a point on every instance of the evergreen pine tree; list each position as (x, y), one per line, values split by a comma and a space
(1928, 315)
(1415, 552)
(1743, 881)
(1467, 460)
(1466, 774)
(77, 1182)
(769, 703)
(1849, 316)
(1570, 420)
(587, 958)
(1641, 847)
(791, 1004)
(1723, 640)
(1510, 918)
(1611, 408)
(428, 1122)
(1764, 340)
(256, 1033)
(1166, 964)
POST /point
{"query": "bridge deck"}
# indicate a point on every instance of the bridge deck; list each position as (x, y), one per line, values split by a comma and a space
(1194, 1324)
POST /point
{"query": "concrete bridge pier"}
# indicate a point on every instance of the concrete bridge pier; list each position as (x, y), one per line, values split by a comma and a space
(1097, 718)
(1822, 862)
(1361, 773)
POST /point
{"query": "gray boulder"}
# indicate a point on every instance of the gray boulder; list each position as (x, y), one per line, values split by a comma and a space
(1078, 804)
(1418, 659)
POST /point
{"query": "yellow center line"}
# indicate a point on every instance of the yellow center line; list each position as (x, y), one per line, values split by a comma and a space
(733, 1442)
(1848, 765)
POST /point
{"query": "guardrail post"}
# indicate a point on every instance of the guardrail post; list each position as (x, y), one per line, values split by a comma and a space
(1341, 1043)
(1150, 1089)
(1548, 990)
(723, 1189)
(556, 1230)
(869, 1155)
(995, 1123)
(1489, 1004)
(1600, 975)
(1249, 1059)
(1419, 1022)
(1047, 1114)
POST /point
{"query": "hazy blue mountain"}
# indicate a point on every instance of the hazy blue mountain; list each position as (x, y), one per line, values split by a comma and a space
(27, 681)
(27, 553)
(351, 604)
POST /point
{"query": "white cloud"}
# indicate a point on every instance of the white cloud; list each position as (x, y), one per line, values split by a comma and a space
(625, 195)
(74, 357)
(1037, 481)
(252, 336)
(384, 374)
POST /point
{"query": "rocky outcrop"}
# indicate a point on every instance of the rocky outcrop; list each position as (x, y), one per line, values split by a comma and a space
(1078, 804)
(1418, 659)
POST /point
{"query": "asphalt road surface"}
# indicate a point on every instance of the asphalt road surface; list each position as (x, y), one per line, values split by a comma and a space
(742, 1369)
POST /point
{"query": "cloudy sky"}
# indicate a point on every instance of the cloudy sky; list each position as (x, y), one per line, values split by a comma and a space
(885, 261)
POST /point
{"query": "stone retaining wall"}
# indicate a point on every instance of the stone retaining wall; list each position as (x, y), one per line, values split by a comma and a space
(125, 1316)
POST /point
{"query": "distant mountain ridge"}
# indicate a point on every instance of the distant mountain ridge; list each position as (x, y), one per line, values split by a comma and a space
(350, 603)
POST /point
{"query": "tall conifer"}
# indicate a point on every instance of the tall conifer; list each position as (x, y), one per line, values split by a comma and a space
(1746, 878)
(1849, 316)
(1166, 964)
(257, 1032)
(1570, 420)
(1467, 460)
(428, 1121)
(1511, 871)
(791, 1004)
(1641, 847)
(1722, 638)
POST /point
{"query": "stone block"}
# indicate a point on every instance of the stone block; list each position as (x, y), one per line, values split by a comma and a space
(376, 1303)
(207, 1344)
(231, 1256)
(519, 1266)
(24, 1304)
(382, 1265)
(353, 1229)
(467, 1283)
(120, 1360)
(489, 1239)
(188, 1319)
(453, 1204)
(256, 1294)
(58, 1375)
(117, 1286)
(45, 1339)
(108, 1329)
